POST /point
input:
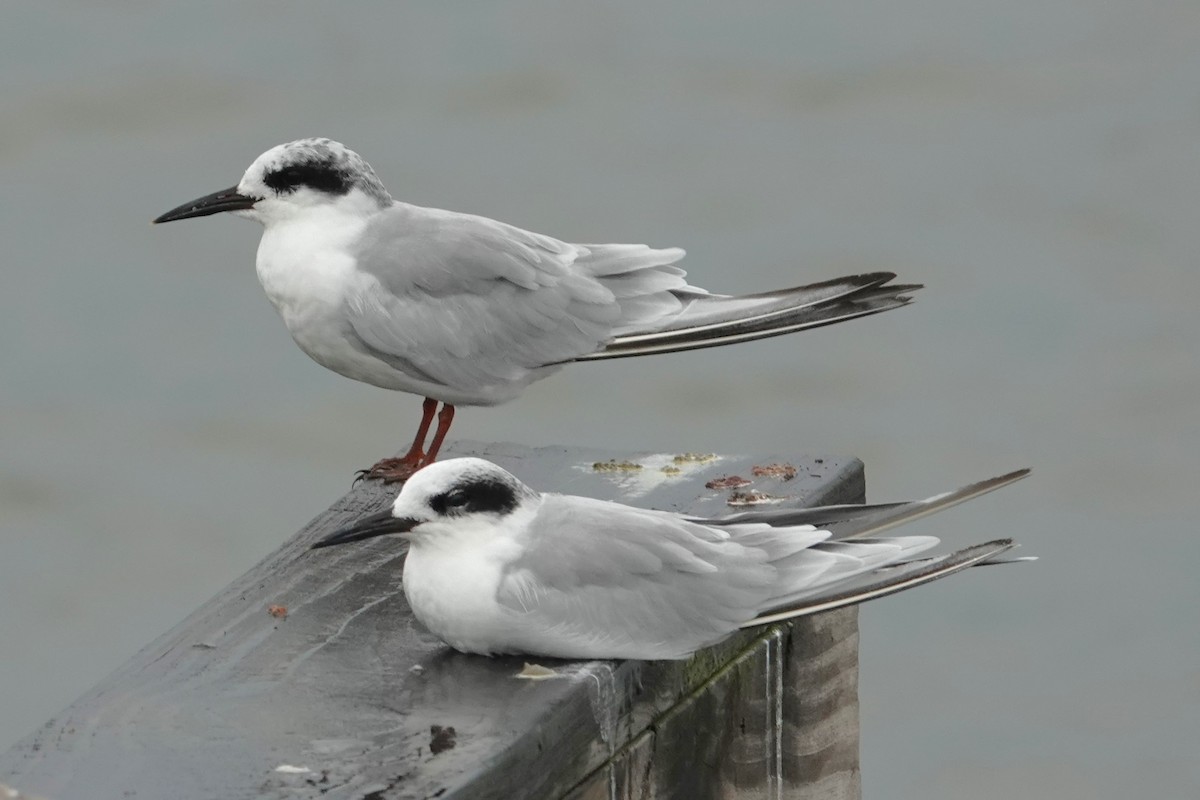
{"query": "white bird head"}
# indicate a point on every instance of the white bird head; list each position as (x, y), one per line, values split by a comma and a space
(458, 491)
(290, 180)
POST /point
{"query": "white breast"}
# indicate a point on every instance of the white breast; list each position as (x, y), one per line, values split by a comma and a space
(451, 577)
(306, 267)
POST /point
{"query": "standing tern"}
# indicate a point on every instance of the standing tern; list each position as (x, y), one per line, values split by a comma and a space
(466, 310)
(496, 567)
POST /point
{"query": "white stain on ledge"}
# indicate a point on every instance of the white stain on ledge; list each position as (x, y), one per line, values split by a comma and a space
(537, 672)
(290, 770)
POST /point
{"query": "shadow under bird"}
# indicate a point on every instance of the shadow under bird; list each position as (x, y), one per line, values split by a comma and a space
(466, 310)
(496, 567)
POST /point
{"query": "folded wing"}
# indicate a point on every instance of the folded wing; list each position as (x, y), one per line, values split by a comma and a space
(606, 580)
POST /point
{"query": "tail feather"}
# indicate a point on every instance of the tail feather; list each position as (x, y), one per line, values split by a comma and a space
(709, 320)
(888, 580)
(835, 556)
(703, 310)
(843, 562)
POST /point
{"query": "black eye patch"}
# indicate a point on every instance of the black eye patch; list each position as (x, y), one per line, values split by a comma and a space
(316, 175)
(479, 495)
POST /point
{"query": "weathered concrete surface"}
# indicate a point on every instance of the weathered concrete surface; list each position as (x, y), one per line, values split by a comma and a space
(350, 689)
(779, 720)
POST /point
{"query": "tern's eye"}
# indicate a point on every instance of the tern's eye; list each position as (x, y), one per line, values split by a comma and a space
(315, 175)
(479, 496)
(455, 500)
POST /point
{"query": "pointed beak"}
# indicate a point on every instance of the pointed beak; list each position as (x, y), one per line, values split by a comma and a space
(215, 203)
(379, 524)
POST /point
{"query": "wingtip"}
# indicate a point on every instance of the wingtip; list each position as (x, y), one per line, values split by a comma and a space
(973, 490)
(1001, 557)
(882, 280)
(999, 481)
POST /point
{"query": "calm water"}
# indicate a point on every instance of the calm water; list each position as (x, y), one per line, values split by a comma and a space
(1036, 164)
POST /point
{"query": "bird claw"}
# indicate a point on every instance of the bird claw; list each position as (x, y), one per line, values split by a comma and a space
(388, 470)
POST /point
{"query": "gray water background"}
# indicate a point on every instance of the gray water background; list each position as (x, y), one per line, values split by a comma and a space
(1036, 164)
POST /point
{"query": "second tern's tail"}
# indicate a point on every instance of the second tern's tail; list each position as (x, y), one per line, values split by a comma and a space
(711, 320)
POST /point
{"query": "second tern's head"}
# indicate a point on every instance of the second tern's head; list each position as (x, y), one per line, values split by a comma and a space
(458, 493)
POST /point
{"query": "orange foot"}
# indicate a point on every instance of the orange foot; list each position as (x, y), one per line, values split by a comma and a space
(398, 470)
(390, 470)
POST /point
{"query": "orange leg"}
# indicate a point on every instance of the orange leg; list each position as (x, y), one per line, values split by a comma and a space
(444, 419)
(416, 452)
(392, 470)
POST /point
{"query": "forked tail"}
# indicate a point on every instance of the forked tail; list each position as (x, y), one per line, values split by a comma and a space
(711, 320)
(860, 561)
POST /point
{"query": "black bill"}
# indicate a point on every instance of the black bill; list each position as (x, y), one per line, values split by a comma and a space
(215, 203)
(379, 524)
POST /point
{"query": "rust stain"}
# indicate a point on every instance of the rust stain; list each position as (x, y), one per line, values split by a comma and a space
(727, 482)
(782, 471)
(752, 497)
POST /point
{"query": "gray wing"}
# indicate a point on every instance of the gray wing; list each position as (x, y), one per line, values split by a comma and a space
(606, 580)
(472, 302)
(609, 580)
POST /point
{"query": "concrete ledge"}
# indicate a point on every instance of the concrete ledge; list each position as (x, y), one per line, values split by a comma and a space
(348, 697)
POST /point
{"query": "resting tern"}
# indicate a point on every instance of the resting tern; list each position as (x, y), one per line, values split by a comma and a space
(496, 567)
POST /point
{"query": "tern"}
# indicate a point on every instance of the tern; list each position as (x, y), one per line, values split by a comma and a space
(495, 567)
(464, 310)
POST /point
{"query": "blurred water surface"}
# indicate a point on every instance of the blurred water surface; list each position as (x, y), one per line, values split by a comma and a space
(1036, 164)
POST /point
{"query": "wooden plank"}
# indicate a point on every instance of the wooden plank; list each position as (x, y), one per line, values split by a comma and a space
(350, 688)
